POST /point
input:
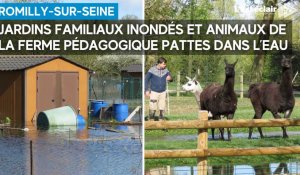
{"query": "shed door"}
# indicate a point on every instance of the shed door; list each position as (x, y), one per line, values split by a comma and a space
(70, 89)
(56, 89)
(46, 91)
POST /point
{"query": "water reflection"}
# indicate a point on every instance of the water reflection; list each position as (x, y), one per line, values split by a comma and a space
(225, 169)
(282, 168)
(267, 169)
(71, 150)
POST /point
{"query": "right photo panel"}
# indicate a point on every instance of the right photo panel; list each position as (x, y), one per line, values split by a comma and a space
(222, 92)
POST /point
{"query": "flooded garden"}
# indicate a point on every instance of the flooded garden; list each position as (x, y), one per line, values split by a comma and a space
(71, 150)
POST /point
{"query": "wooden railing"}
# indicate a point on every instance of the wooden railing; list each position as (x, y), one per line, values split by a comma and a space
(203, 152)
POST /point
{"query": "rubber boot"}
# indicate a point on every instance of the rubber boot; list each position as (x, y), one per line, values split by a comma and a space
(161, 115)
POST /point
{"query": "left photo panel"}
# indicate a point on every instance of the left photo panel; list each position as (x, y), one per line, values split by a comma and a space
(75, 112)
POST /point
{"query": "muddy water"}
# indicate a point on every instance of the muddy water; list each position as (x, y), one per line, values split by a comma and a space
(72, 151)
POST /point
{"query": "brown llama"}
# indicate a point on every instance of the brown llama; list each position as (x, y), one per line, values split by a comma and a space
(221, 99)
(274, 97)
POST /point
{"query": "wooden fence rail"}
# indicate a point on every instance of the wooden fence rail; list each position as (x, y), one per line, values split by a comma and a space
(220, 152)
(202, 151)
(198, 124)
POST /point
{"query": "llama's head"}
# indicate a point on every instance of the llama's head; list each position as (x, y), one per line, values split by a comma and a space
(192, 85)
(286, 62)
(229, 68)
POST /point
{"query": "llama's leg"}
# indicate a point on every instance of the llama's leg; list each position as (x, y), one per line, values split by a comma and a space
(277, 116)
(215, 117)
(213, 133)
(259, 111)
(218, 117)
(229, 117)
(250, 132)
(251, 128)
(284, 133)
(260, 132)
(222, 133)
(259, 128)
(287, 114)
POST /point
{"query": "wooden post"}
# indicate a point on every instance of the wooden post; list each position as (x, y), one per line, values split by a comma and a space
(178, 84)
(202, 145)
(31, 159)
(242, 86)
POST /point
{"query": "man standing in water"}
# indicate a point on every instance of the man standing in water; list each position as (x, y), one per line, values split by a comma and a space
(155, 87)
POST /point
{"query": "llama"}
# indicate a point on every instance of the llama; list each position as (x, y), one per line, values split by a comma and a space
(274, 97)
(221, 99)
(194, 86)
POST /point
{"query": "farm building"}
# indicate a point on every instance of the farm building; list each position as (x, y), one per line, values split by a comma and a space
(31, 84)
(132, 81)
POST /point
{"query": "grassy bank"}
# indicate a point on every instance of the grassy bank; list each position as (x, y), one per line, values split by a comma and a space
(185, 108)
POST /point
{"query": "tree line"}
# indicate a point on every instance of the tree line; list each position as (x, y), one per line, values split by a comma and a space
(261, 66)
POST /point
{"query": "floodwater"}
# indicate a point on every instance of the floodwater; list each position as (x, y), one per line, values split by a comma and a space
(290, 168)
(67, 151)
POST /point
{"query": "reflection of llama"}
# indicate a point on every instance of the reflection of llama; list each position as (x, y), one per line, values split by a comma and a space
(277, 98)
(262, 169)
(266, 169)
(282, 167)
(221, 169)
(221, 99)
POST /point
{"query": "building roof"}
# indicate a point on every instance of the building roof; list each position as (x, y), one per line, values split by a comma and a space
(21, 62)
(133, 68)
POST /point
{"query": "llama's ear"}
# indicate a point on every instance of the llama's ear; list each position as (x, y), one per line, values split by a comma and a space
(188, 78)
(196, 83)
(225, 61)
(235, 62)
(283, 56)
(195, 77)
